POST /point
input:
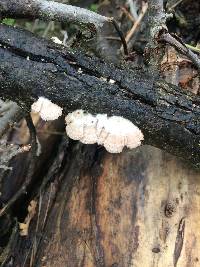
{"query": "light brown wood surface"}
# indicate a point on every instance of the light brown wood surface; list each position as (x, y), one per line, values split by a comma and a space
(136, 209)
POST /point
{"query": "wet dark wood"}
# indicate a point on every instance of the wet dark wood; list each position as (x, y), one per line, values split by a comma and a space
(31, 67)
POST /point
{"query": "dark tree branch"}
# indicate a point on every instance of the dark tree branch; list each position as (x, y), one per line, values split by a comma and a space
(156, 24)
(166, 37)
(156, 18)
(31, 67)
(158, 32)
(119, 32)
(50, 10)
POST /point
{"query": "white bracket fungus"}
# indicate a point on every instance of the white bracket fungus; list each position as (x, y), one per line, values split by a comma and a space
(56, 40)
(48, 111)
(114, 133)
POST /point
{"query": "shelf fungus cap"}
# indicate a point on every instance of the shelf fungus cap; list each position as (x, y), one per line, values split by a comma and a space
(90, 132)
(81, 126)
(48, 111)
(114, 133)
(121, 133)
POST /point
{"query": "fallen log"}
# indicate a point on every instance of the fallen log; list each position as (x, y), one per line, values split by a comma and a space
(31, 67)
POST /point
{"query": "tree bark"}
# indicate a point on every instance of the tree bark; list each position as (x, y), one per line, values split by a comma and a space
(139, 208)
(168, 116)
(50, 10)
(95, 209)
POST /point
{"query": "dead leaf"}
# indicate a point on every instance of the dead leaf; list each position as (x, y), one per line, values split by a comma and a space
(31, 213)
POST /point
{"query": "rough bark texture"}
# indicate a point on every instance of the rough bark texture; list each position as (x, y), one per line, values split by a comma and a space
(118, 218)
(127, 210)
(136, 209)
(50, 10)
(31, 67)
(9, 113)
(156, 25)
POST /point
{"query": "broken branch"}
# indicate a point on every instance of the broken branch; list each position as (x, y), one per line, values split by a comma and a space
(167, 116)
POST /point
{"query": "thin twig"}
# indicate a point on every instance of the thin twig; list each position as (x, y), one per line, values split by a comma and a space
(133, 9)
(22, 190)
(183, 49)
(125, 11)
(47, 29)
(35, 24)
(193, 48)
(137, 23)
(113, 38)
(124, 44)
(172, 4)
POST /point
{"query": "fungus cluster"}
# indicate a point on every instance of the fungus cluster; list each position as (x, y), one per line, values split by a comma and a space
(114, 133)
(48, 111)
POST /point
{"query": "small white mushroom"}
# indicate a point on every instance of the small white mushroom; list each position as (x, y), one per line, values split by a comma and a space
(114, 133)
(48, 111)
(56, 40)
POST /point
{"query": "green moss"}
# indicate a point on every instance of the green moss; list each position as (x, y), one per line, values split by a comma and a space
(93, 7)
(9, 22)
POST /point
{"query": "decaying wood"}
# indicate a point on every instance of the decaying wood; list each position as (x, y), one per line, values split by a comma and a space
(11, 181)
(139, 208)
(182, 48)
(31, 67)
(119, 210)
(9, 113)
